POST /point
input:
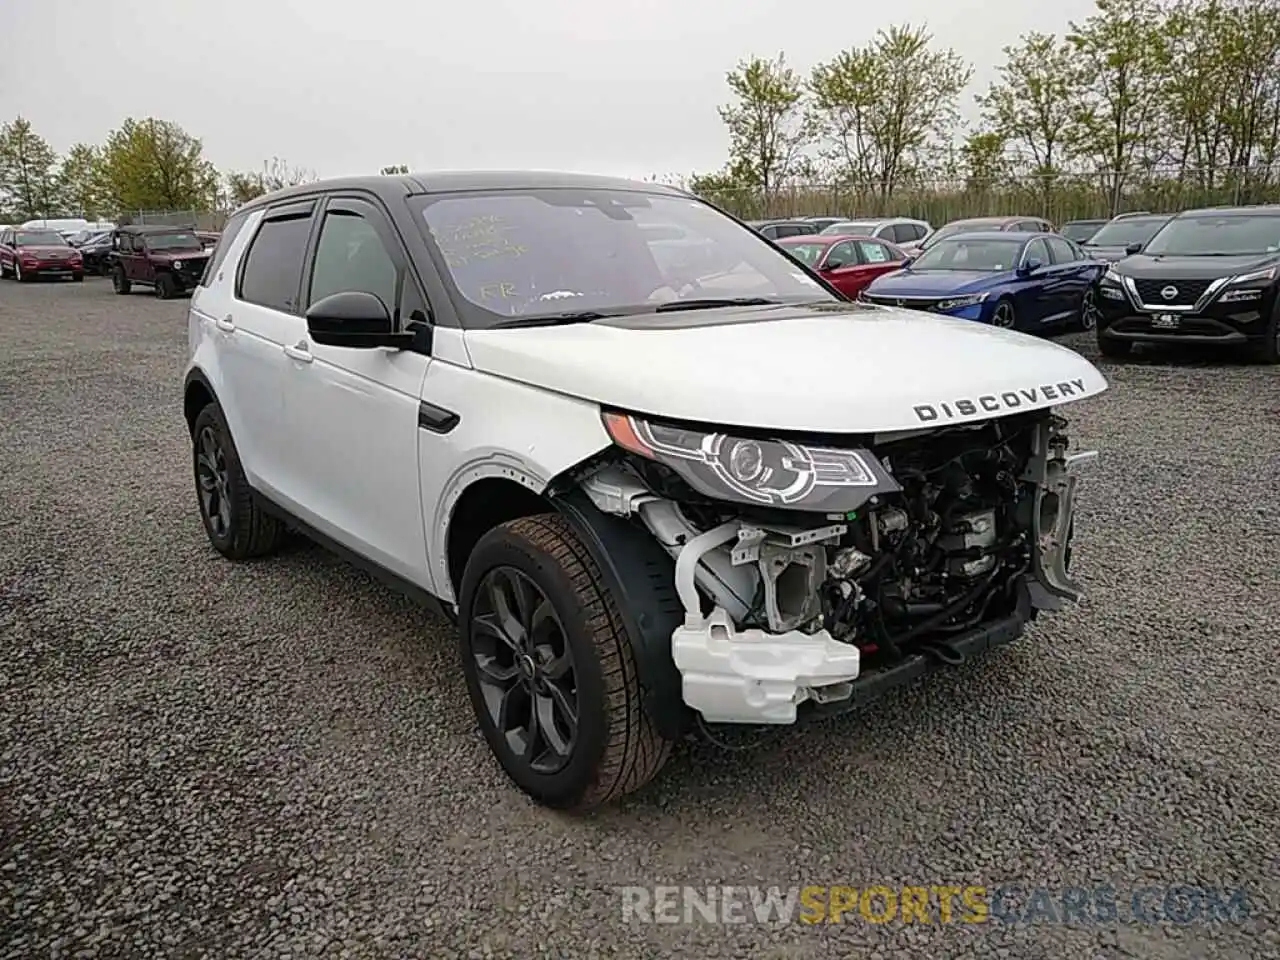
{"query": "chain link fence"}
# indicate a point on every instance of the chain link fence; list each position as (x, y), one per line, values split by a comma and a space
(213, 220)
(1058, 198)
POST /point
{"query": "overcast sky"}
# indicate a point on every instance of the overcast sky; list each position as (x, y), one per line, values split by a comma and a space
(626, 87)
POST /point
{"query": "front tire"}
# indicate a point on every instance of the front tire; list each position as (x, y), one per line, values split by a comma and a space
(18, 274)
(77, 278)
(550, 669)
(119, 282)
(1004, 316)
(1088, 319)
(166, 286)
(1267, 350)
(237, 526)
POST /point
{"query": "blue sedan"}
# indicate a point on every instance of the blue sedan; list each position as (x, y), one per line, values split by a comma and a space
(1020, 281)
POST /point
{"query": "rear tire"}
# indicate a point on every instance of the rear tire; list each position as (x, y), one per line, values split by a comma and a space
(119, 282)
(237, 526)
(1088, 319)
(166, 286)
(568, 623)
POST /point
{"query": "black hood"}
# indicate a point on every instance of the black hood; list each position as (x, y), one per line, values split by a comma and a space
(1143, 267)
(1109, 254)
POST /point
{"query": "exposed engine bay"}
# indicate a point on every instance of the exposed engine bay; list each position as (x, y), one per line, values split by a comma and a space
(801, 562)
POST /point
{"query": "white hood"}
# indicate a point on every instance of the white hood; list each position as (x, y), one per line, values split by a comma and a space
(853, 370)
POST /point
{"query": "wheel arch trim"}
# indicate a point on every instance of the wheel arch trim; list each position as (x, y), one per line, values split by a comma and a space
(640, 576)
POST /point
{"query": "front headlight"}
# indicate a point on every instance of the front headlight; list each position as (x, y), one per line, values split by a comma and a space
(1258, 276)
(1112, 277)
(177, 264)
(1248, 286)
(956, 303)
(774, 473)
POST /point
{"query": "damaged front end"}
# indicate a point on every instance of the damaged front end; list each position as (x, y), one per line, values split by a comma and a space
(815, 570)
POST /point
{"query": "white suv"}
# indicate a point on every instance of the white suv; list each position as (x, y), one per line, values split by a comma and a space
(656, 492)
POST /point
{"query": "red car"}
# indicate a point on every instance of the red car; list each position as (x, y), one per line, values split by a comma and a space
(847, 263)
(27, 254)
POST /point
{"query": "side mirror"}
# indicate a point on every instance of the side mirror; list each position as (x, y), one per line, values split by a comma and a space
(829, 266)
(1133, 248)
(1029, 266)
(354, 318)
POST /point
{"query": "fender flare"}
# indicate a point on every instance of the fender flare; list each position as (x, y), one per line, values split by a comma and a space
(640, 575)
(195, 376)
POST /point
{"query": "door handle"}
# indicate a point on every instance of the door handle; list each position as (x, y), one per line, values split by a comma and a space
(226, 324)
(299, 352)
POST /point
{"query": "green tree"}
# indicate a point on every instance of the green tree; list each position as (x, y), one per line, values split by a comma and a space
(985, 159)
(156, 165)
(768, 126)
(28, 170)
(80, 182)
(394, 169)
(1032, 104)
(1121, 56)
(892, 106)
(276, 174)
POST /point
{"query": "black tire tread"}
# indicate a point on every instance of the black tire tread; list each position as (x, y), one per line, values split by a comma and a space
(1116, 350)
(634, 751)
(256, 533)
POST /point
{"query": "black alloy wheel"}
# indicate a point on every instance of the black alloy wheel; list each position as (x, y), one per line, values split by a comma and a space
(1088, 311)
(213, 479)
(525, 668)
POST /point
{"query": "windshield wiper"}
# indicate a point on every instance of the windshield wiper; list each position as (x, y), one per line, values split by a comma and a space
(711, 303)
(552, 319)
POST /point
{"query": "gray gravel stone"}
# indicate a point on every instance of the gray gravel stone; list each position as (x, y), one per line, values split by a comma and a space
(199, 759)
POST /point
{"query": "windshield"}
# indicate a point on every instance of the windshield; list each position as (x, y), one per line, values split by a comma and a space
(971, 253)
(174, 241)
(1121, 233)
(853, 227)
(1082, 230)
(547, 252)
(40, 238)
(951, 229)
(1217, 236)
(807, 253)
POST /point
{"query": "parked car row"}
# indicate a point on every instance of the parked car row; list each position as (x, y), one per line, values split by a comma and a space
(168, 260)
(1206, 277)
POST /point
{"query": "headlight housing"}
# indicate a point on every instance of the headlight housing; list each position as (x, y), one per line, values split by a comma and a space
(1248, 286)
(767, 472)
(1112, 277)
(956, 303)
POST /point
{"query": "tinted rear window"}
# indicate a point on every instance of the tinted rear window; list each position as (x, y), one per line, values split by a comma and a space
(273, 266)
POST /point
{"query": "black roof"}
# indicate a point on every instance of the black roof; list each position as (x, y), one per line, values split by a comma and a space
(397, 186)
(1272, 209)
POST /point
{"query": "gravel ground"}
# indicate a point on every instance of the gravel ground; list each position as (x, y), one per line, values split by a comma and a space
(206, 760)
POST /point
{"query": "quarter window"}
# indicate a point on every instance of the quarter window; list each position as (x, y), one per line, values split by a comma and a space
(273, 266)
(351, 256)
(228, 237)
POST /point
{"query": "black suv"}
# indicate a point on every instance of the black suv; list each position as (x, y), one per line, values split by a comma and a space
(1207, 277)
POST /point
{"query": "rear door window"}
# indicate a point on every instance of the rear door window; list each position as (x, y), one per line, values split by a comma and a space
(874, 252)
(1062, 251)
(271, 274)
